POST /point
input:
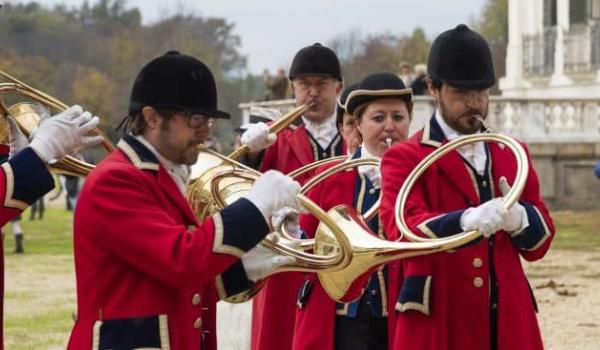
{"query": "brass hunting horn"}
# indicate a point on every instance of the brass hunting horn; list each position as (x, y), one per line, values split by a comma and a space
(226, 181)
(27, 116)
(220, 180)
(367, 252)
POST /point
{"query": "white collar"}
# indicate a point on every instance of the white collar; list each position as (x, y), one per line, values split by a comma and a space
(371, 171)
(180, 173)
(450, 133)
(474, 153)
(323, 131)
(364, 152)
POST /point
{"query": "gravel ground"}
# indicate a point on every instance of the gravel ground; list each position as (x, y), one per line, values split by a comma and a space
(566, 285)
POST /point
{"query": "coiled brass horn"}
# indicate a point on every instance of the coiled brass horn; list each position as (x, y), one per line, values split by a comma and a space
(225, 180)
(27, 116)
(220, 180)
(367, 252)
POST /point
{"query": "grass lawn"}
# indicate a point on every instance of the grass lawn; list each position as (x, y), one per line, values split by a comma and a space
(40, 285)
(39, 299)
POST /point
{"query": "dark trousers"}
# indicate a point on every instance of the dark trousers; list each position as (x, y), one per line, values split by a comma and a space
(365, 332)
(37, 207)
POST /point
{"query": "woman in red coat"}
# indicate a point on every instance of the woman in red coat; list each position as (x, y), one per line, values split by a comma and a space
(382, 107)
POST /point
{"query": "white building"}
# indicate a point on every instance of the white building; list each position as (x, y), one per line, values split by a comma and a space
(553, 49)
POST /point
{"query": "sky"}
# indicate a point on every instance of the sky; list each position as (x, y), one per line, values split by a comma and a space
(272, 31)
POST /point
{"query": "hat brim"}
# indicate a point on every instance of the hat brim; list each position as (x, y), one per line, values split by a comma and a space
(214, 113)
(470, 84)
(326, 75)
(360, 97)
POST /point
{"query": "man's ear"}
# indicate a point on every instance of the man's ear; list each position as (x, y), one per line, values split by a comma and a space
(339, 86)
(151, 117)
(432, 90)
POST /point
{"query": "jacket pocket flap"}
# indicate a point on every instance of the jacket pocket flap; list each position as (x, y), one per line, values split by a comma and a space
(415, 294)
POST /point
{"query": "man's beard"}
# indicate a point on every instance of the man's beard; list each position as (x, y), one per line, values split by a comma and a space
(473, 124)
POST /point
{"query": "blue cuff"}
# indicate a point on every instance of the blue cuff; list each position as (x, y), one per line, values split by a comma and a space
(415, 294)
(535, 233)
(31, 178)
(233, 282)
(132, 333)
(243, 225)
(443, 226)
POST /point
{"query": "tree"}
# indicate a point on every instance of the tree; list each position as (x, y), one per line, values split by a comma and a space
(493, 25)
(415, 48)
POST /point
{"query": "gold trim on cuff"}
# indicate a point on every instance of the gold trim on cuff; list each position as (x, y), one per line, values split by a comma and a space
(9, 201)
(218, 246)
(425, 229)
(421, 307)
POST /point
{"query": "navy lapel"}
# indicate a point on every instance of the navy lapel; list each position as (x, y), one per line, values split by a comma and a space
(144, 159)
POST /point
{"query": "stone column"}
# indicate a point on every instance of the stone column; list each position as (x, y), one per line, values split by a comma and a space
(513, 83)
(558, 77)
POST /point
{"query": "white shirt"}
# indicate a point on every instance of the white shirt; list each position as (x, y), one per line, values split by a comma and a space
(370, 171)
(180, 173)
(323, 132)
(473, 153)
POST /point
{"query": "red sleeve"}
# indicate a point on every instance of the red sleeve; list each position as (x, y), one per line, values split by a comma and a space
(533, 242)
(396, 165)
(6, 212)
(128, 220)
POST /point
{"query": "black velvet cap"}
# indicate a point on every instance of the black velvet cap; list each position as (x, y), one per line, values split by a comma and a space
(341, 103)
(376, 86)
(316, 60)
(462, 58)
(176, 81)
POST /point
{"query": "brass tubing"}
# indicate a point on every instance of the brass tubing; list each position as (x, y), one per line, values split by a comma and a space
(275, 127)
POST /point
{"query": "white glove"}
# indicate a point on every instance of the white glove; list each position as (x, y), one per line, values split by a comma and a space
(291, 217)
(60, 135)
(259, 262)
(257, 137)
(273, 190)
(18, 141)
(517, 219)
(487, 218)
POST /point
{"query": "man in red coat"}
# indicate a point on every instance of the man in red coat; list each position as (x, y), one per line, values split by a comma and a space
(316, 79)
(149, 273)
(476, 297)
(24, 177)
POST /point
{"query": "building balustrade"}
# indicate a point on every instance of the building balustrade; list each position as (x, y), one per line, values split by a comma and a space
(531, 120)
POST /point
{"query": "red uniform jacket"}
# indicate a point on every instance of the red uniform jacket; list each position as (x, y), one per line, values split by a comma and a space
(23, 179)
(273, 310)
(148, 273)
(445, 298)
(315, 312)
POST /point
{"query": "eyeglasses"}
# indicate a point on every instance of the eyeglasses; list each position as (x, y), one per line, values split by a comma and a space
(319, 85)
(197, 121)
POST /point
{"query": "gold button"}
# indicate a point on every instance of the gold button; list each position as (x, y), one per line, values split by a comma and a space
(198, 323)
(477, 262)
(484, 183)
(196, 299)
(478, 282)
